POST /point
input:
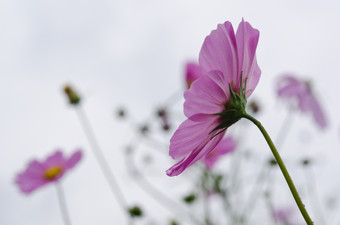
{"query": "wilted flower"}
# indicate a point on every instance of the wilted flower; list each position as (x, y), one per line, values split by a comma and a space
(192, 72)
(217, 99)
(299, 92)
(226, 145)
(38, 174)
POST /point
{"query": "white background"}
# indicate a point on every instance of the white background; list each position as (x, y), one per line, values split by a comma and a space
(133, 53)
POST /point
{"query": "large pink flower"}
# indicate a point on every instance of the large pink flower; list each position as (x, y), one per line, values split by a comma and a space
(38, 174)
(298, 91)
(230, 73)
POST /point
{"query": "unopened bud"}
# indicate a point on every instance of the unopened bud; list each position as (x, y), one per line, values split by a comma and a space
(272, 162)
(121, 113)
(73, 97)
(189, 199)
(306, 162)
(135, 211)
(254, 106)
(144, 129)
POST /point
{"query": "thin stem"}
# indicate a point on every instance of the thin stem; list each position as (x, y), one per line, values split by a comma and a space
(155, 193)
(313, 193)
(101, 159)
(264, 173)
(283, 169)
(62, 204)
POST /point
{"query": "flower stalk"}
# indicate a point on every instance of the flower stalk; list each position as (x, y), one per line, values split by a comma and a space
(283, 169)
(62, 204)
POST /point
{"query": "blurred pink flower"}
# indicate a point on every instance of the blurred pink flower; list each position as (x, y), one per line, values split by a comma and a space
(192, 72)
(300, 93)
(228, 63)
(226, 145)
(38, 174)
(285, 216)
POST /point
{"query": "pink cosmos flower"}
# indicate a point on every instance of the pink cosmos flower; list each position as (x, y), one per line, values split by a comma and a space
(192, 72)
(38, 174)
(226, 145)
(300, 92)
(216, 99)
(285, 216)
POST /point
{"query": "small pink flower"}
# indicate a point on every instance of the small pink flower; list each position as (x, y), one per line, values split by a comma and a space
(285, 216)
(38, 174)
(192, 72)
(226, 145)
(299, 92)
(230, 75)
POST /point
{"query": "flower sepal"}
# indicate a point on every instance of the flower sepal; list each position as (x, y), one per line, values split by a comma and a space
(235, 109)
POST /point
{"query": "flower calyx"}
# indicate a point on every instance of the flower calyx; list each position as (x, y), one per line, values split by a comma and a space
(234, 109)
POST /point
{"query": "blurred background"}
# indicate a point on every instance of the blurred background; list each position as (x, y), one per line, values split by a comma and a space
(132, 54)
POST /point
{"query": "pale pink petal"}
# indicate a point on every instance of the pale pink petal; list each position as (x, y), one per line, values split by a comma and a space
(219, 52)
(288, 86)
(57, 159)
(247, 38)
(28, 183)
(190, 134)
(192, 72)
(317, 112)
(253, 78)
(225, 146)
(35, 168)
(205, 96)
(31, 178)
(204, 148)
(74, 159)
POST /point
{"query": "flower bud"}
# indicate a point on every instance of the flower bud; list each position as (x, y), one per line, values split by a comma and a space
(73, 97)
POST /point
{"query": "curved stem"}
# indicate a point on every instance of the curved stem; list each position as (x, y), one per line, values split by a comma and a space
(265, 172)
(102, 162)
(62, 204)
(283, 169)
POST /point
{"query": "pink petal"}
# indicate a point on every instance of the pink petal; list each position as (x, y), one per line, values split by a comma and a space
(207, 145)
(32, 178)
(190, 134)
(74, 159)
(219, 52)
(57, 159)
(317, 112)
(253, 78)
(206, 95)
(192, 73)
(247, 38)
(288, 86)
(28, 183)
(225, 146)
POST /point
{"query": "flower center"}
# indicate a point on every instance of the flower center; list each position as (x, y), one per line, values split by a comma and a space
(52, 172)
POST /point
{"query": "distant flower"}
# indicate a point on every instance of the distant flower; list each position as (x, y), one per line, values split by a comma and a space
(300, 93)
(226, 145)
(217, 99)
(192, 72)
(38, 174)
(285, 216)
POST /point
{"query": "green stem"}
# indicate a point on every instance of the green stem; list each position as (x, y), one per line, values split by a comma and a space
(283, 169)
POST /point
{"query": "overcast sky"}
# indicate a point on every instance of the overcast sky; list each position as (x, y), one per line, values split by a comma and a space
(133, 53)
